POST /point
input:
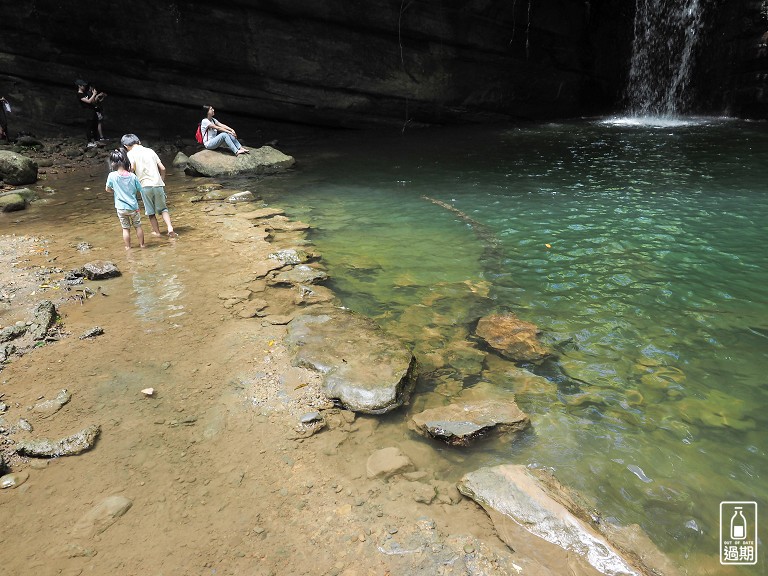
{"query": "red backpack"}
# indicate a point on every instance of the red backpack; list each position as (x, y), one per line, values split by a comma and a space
(199, 135)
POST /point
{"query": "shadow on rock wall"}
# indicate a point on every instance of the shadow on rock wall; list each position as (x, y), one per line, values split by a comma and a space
(335, 63)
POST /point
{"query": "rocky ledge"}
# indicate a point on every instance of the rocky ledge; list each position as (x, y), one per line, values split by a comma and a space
(362, 367)
(528, 505)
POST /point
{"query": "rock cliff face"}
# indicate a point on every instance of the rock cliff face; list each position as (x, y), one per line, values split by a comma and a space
(336, 62)
(732, 77)
(341, 63)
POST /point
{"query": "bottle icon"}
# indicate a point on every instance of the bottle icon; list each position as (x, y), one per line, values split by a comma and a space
(738, 525)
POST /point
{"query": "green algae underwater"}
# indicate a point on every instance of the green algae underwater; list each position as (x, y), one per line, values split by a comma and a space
(639, 250)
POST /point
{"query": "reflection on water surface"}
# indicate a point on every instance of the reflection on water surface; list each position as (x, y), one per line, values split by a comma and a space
(638, 249)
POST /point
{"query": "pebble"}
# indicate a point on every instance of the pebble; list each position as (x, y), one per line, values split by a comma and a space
(310, 417)
(14, 480)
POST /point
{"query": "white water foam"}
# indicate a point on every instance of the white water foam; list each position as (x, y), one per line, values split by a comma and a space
(651, 121)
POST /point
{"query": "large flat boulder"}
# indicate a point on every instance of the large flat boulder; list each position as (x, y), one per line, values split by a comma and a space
(221, 162)
(460, 423)
(362, 367)
(528, 506)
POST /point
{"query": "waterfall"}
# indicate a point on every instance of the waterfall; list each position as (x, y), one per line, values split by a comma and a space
(666, 33)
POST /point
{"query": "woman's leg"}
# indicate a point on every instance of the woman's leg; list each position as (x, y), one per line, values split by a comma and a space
(223, 138)
(232, 142)
(93, 127)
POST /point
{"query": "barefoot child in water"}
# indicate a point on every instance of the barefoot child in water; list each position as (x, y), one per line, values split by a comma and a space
(125, 185)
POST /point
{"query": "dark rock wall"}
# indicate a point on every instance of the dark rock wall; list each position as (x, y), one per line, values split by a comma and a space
(338, 63)
(732, 73)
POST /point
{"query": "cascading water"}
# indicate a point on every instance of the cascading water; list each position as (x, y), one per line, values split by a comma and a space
(666, 33)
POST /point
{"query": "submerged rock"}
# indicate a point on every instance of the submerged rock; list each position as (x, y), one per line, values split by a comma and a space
(364, 368)
(460, 424)
(420, 549)
(524, 503)
(511, 337)
(221, 162)
(69, 446)
(101, 516)
(387, 462)
(48, 408)
(246, 196)
(261, 213)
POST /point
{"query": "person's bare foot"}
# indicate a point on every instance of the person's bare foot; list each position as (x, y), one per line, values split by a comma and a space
(143, 245)
(156, 234)
(172, 234)
(242, 151)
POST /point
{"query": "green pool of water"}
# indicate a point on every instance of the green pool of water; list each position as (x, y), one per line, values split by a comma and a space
(638, 250)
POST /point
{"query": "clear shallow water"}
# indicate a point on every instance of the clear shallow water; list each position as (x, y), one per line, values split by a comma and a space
(638, 249)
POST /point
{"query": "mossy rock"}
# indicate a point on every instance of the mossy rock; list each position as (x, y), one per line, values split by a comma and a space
(12, 203)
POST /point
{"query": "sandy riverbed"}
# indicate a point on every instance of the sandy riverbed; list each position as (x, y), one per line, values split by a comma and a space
(219, 481)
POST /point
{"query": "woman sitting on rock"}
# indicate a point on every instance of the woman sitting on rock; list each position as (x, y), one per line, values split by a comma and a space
(215, 134)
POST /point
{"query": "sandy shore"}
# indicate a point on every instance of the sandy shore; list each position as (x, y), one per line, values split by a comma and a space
(218, 479)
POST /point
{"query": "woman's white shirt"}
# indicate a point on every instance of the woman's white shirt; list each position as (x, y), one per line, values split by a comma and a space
(207, 127)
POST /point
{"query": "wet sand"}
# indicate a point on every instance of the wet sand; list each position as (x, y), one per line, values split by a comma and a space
(219, 481)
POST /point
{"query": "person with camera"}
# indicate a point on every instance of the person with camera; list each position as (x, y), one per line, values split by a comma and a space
(5, 108)
(91, 99)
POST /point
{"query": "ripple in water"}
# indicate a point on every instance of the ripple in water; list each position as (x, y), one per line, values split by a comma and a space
(639, 251)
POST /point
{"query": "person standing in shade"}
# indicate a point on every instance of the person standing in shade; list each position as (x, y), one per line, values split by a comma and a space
(150, 171)
(91, 99)
(215, 134)
(125, 185)
(5, 109)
